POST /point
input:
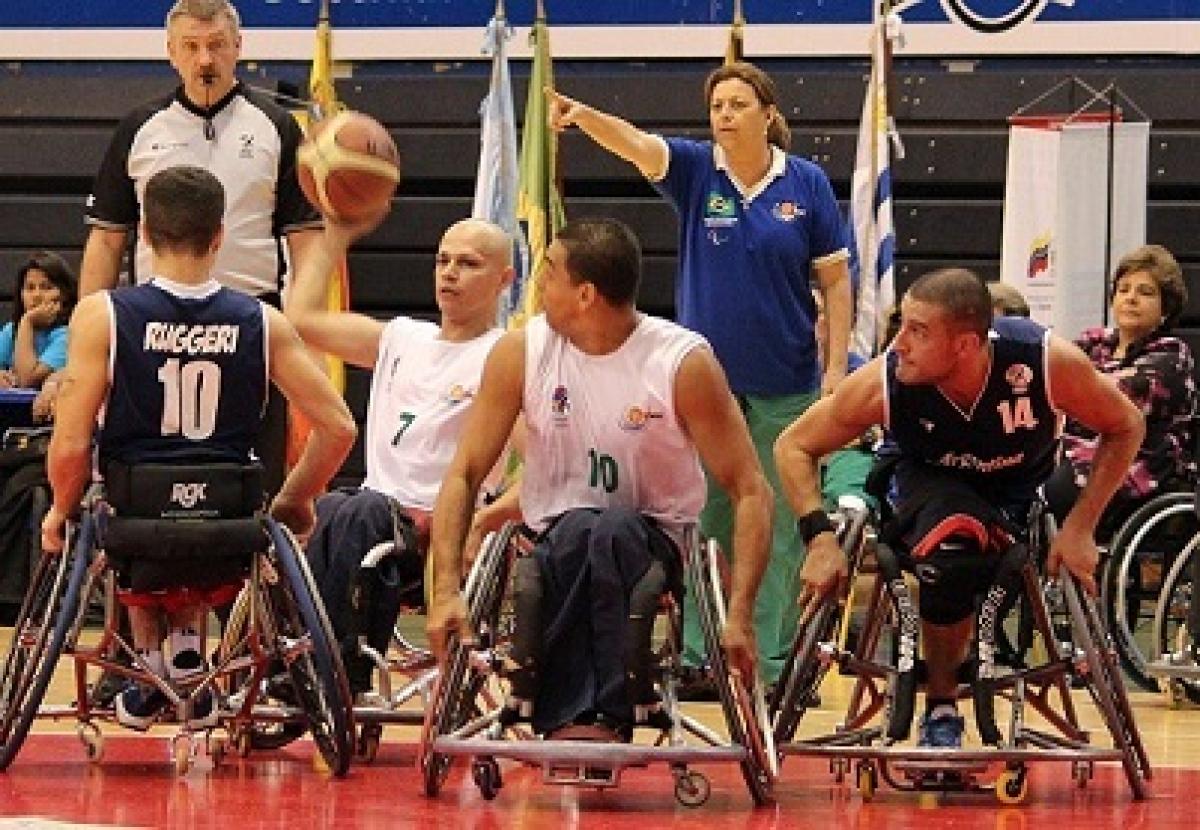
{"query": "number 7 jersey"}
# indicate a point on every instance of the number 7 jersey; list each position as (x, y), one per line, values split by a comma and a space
(188, 374)
(602, 430)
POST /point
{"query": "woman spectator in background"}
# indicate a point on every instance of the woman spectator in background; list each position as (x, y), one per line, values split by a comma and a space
(34, 343)
(1152, 367)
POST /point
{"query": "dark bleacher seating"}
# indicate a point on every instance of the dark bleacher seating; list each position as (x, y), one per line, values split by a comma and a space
(55, 120)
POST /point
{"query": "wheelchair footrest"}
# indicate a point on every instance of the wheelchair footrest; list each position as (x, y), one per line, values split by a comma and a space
(1182, 671)
(586, 753)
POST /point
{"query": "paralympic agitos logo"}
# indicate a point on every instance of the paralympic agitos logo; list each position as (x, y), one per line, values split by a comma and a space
(990, 16)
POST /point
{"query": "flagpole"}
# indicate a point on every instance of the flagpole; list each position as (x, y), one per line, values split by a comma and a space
(736, 48)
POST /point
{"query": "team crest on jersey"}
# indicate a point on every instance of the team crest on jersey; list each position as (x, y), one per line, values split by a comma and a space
(247, 141)
(719, 211)
(457, 393)
(635, 418)
(1019, 376)
(560, 403)
(787, 211)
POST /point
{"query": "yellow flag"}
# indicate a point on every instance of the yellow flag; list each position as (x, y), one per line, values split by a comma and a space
(323, 104)
(539, 204)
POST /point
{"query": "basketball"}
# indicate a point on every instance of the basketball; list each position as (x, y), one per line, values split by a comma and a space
(348, 166)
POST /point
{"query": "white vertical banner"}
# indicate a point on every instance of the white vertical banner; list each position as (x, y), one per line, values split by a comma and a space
(1030, 208)
(1056, 219)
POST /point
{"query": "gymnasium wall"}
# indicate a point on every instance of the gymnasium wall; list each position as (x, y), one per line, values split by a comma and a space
(56, 117)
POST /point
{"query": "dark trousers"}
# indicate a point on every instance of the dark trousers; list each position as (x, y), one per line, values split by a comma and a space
(589, 562)
(349, 524)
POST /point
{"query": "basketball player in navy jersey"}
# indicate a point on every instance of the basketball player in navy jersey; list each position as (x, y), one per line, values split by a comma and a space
(178, 370)
(975, 409)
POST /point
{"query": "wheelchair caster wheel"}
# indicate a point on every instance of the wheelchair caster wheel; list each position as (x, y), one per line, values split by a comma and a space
(217, 749)
(868, 780)
(243, 742)
(93, 741)
(182, 751)
(1012, 786)
(838, 767)
(692, 788)
(1082, 772)
(367, 746)
(486, 773)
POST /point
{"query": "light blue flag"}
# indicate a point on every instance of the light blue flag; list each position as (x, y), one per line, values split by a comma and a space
(496, 181)
(871, 200)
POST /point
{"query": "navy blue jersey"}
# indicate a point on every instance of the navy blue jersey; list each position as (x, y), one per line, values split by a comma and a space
(1004, 447)
(189, 375)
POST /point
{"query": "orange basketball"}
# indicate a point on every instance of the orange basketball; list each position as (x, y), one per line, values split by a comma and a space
(348, 166)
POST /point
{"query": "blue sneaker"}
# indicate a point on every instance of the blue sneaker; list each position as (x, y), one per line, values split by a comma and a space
(138, 706)
(942, 729)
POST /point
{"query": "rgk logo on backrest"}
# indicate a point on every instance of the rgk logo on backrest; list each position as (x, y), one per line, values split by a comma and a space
(186, 495)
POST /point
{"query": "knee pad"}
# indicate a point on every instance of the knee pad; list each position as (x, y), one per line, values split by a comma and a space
(950, 575)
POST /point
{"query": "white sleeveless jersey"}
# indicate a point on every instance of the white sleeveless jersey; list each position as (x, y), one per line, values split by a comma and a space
(420, 394)
(602, 430)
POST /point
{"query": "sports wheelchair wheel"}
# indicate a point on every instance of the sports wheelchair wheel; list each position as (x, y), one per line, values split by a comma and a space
(748, 726)
(1173, 634)
(317, 674)
(1140, 554)
(47, 615)
(453, 700)
(804, 670)
(1105, 684)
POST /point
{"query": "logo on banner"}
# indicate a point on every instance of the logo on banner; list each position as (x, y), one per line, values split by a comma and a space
(1039, 255)
(989, 16)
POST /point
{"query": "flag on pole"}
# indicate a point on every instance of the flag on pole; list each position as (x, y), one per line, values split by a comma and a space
(497, 178)
(871, 194)
(736, 48)
(539, 204)
(323, 104)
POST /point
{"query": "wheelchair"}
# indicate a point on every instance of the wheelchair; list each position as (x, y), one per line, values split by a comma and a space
(885, 674)
(402, 673)
(463, 719)
(1144, 548)
(1176, 630)
(286, 640)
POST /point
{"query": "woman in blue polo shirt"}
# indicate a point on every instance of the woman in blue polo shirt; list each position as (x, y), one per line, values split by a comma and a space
(34, 343)
(758, 230)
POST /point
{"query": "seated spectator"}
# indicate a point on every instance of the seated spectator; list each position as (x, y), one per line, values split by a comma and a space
(1007, 300)
(1153, 369)
(34, 343)
(426, 375)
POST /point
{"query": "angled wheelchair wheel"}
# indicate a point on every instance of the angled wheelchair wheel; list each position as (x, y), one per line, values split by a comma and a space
(259, 736)
(1106, 686)
(1141, 553)
(802, 673)
(47, 615)
(1174, 633)
(453, 701)
(748, 728)
(317, 675)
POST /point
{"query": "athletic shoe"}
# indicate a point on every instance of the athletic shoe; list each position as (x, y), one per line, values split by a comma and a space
(942, 729)
(139, 705)
(204, 710)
